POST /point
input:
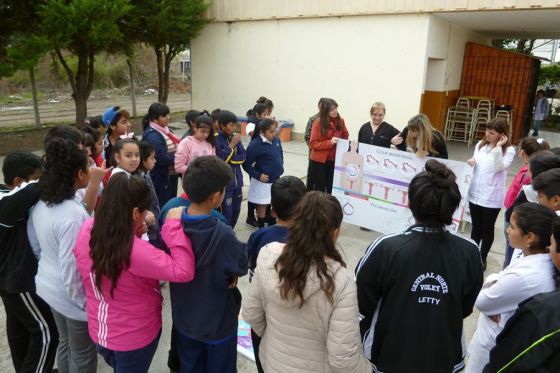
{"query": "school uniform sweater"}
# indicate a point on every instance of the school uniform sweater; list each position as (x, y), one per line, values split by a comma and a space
(382, 136)
(131, 318)
(163, 175)
(414, 290)
(264, 157)
(18, 264)
(206, 309)
(234, 157)
(260, 238)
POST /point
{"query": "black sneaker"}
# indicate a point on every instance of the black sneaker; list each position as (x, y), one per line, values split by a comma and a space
(252, 222)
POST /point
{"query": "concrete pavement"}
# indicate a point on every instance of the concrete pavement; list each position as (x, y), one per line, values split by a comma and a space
(352, 243)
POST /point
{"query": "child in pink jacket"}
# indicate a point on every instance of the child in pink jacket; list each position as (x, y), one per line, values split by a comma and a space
(201, 142)
(121, 273)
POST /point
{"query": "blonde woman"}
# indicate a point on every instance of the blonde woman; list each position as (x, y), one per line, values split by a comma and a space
(378, 132)
(422, 139)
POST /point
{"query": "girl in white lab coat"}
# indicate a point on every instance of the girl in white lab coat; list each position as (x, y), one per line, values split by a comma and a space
(528, 274)
(492, 157)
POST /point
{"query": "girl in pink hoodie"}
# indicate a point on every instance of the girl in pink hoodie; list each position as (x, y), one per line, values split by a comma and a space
(201, 142)
(121, 273)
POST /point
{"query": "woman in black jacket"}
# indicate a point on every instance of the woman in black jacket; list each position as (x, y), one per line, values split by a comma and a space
(378, 132)
(422, 139)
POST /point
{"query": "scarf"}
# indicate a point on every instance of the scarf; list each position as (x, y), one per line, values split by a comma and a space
(165, 130)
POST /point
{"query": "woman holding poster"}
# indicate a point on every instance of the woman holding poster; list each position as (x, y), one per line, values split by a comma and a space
(325, 132)
(492, 157)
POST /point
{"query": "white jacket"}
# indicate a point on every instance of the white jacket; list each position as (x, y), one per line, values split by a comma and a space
(52, 232)
(320, 337)
(500, 295)
(488, 185)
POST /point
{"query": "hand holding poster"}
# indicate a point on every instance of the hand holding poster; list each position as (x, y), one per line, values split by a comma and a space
(371, 184)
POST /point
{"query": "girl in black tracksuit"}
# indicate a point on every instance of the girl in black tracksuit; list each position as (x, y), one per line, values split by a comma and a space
(416, 287)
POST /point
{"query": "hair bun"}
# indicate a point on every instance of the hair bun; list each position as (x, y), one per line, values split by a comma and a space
(439, 174)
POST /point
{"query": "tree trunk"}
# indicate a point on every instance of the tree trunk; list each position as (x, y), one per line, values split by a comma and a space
(34, 95)
(132, 86)
(160, 69)
(81, 107)
(166, 78)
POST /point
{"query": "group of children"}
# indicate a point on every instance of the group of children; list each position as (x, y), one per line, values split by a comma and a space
(90, 230)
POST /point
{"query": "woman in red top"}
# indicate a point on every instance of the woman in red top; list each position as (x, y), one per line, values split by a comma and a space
(325, 132)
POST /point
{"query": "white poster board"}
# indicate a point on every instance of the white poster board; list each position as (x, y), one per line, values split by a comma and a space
(371, 183)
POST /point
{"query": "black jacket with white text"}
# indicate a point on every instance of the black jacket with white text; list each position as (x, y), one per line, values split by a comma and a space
(414, 290)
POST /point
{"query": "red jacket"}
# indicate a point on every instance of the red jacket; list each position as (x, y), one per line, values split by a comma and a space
(322, 149)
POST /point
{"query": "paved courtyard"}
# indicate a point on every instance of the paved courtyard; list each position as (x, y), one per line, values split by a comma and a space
(352, 243)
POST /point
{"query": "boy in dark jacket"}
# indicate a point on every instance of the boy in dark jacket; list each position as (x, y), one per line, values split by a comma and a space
(205, 311)
(31, 330)
(231, 150)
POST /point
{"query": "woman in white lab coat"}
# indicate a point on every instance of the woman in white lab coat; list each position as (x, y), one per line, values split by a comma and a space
(492, 157)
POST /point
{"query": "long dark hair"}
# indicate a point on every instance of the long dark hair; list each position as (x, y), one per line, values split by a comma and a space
(63, 160)
(310, 241)
(111, 238)
(324, 109)
(434, 195)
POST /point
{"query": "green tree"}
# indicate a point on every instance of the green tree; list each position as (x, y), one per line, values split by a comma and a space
(524, 46)
(549, 74)
(168, 27)
(82, 28)
(20, 45)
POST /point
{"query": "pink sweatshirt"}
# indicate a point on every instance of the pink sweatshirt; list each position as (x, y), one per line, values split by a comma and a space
(131, 319)
(188, 149)
(523, 177)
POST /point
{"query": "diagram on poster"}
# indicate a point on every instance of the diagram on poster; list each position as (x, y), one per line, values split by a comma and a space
(372, 182)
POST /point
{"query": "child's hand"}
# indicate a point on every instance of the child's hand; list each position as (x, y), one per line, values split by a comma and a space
(334, 140)
(96, 174)
(150, 218)
(471, 162)
(233, 281)
(264, 178)
(234, 140)
(175, 213)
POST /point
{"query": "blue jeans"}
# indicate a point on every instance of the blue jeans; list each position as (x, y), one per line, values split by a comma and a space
(135, 361)
(202, 357)
(536, 127)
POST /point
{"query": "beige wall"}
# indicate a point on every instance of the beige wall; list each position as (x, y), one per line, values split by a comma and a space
(236, 10)
(446, 43)
(355, 60)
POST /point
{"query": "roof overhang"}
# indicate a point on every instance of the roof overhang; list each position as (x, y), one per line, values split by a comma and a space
(516, 24)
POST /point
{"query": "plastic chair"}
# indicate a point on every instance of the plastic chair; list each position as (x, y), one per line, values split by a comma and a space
(463, 102)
